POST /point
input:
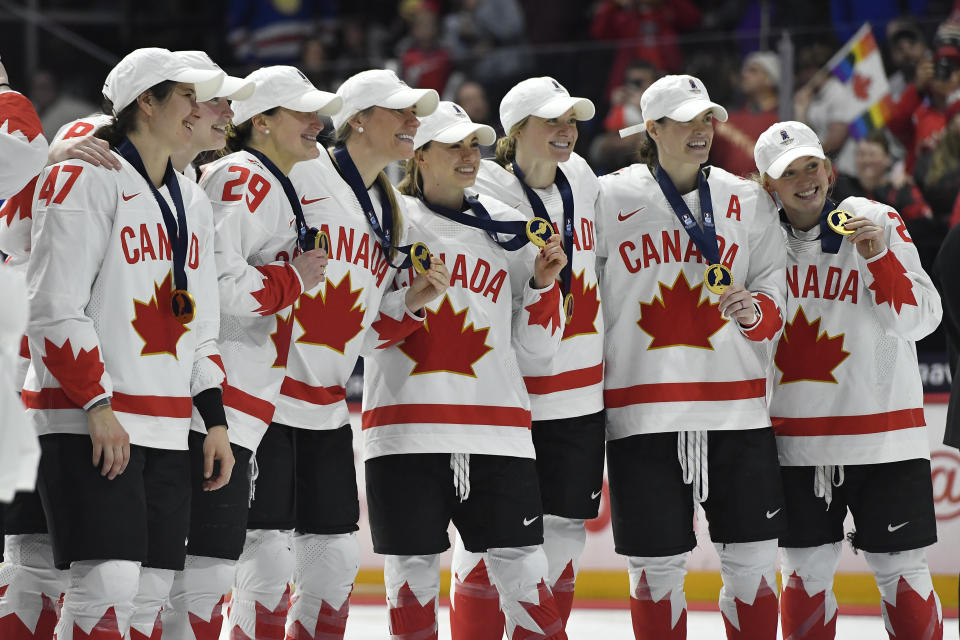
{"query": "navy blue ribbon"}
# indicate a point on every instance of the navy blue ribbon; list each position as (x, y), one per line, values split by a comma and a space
(705, 238)
(302, 229)
(830, 240)
(540, 211)
(481, 220)
(348, 171)
(176, 227)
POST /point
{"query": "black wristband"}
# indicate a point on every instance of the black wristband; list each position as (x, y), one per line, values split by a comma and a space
(209, 404)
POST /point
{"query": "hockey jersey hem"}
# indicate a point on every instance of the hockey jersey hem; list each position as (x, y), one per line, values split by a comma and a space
(507, 442)
(737, 415)
(805, 451)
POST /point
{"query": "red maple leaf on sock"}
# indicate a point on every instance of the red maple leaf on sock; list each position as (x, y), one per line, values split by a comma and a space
(757, 620)
(409, 619)
(155, 634)
(803, 615)
(545, 614)
(331, 624)
(654, 618)
(913, 617)
(207, 629)
(105, 629)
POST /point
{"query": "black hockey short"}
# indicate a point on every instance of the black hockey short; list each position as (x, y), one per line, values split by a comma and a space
(891, 503)
(411, 500)
(570, 464)
(142, 515)
(24, 514)
(218, 519)
(652, 509)
(306, 480)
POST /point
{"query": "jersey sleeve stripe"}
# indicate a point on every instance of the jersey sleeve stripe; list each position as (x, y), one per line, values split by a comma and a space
(576, 379)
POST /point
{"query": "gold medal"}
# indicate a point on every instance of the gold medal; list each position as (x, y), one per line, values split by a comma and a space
(539, 231)
(183, 305)
(322, 242)
(420, 257)
(568, 306)
(717, 278)
(837, 218)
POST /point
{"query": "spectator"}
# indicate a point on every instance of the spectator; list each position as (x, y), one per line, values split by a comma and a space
(938, 171)
(609, 151)
(55, 107)
(263, 32)
(472, 97)
(646, 29)
(872, 180)
(734, 140)
(424, 63)
(907, 47)
(848, 15)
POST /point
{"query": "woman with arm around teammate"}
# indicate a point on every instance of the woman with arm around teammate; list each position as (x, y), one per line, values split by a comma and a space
(857, 300)
(537, 172)
(443, 407)
(694, 273)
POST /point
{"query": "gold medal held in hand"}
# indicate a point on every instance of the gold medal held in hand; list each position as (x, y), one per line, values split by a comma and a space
(836, 220)
(322, 242)
(420, 257)
(183, 305)
(539, 231)
(717, 278)
(568, 306)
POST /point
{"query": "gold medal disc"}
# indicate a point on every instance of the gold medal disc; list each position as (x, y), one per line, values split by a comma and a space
(837, 218)
(183, 305)
(717, 278)
(322, 242)
(420, 257)
(568, 306)
(539, 231)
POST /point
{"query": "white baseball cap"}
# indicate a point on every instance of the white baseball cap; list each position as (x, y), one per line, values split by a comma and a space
(144, 68)
(679, 98)
(543, 97)
(233, 88)
(450, 123)
(382, 88)
(287, 87)
(783, 143)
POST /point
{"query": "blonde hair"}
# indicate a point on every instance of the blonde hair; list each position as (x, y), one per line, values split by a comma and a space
(344, 131)
(412, 182)
(506, 150)
(945, 158)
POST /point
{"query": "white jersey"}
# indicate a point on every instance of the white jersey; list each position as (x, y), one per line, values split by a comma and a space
(100, 280)
(571, 383)
(673, 363)
(255, 238)
(23, 149)
(455, 386)
(347, 315)
(846, 387)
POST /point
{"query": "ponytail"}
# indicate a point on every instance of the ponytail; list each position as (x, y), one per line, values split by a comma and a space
(506, 151)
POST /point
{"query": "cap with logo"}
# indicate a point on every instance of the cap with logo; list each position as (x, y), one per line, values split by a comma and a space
(382, 88)
(783, 143)
(233, 88)
(450, 123)
(143, 68)
(679, 98)
(543, 97)
(287, 87)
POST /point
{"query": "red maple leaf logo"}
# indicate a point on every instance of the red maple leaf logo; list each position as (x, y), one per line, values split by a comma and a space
(19, 115)
(475, 610)
(677, 318)
(806, 353)
(586, 304)
(912, 616)
(391, 332)
(890, 282)
(13, 628)
(563, 590)
(408, 618)
(331, 623)
(281, 339)
(20, 204)
(861, 86)
(154, 321)
(155, 634)
(803, 615)
(280, 289)
(651, 618)
(444, 344)
(105, 628)
(546, 310)
(207, 629)
(79, 375)
(545, 614)
(757, 620)
(269, 624)
(333, 317)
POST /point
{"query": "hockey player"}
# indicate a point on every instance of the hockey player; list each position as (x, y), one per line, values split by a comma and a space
(537, 172)
(22, 145)
(857, 299)
(467, 455)
(694, 292)
(307, 478)
(120, 343)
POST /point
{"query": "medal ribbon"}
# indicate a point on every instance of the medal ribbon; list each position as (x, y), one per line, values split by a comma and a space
(176, 227)
(348, 171)
(705, 238)
(482, 220)
(288, 190)
(830, 240)
(540, 211)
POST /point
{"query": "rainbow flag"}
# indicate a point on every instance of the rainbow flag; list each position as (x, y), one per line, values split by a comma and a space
(858, 67)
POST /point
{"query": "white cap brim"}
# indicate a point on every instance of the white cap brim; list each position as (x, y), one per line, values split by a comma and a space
(692, 108)
(461, 131)
(236, 88)
(322, 102)
(583, 109)
(424, 100)
(206, 83)
(778, 166)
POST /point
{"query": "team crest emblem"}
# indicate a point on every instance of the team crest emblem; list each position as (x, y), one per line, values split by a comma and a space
(785, 137)
(693, 86)
(687, 220)
(836, 220)
(420, 257)
(717, 278)
(539, 231)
